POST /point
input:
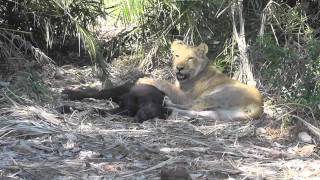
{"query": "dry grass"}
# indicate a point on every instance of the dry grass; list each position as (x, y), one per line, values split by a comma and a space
(39, 143)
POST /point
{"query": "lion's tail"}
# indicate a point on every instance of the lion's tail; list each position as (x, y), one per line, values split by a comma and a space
(88, 92)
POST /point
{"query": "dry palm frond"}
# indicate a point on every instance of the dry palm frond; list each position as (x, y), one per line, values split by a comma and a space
(27, 120)
(18, 54)
(14, 45)
(23, 128)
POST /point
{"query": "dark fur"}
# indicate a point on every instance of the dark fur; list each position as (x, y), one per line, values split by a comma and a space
(141, 101)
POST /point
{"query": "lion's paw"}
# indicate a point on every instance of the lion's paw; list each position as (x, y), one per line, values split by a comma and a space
(148, 81)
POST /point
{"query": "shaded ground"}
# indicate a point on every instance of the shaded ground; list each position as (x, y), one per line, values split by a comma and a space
(38, 143)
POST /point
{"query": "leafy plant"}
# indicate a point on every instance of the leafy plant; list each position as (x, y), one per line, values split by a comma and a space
(55, 24)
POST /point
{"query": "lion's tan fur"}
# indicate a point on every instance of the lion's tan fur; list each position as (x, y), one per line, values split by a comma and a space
(205, 91)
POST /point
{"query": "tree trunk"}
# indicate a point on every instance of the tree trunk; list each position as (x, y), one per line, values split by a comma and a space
(245, 70)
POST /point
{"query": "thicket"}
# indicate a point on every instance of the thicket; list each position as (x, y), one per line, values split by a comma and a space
(276, 41)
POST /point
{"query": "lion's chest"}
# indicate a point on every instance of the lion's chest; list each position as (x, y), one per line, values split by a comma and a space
(204, 85)
(197, 89)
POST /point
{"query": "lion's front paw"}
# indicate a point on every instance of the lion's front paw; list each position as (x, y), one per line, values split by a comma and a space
(167, 101)
(148, 81)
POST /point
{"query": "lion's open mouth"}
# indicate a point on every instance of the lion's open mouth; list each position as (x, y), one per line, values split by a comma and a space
(181, 76)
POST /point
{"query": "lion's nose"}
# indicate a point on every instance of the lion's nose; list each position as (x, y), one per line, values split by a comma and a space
(179, 67)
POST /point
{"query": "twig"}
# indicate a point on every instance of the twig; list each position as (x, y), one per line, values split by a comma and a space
(11, 100)
(273, 152)
(160, 165)
(192, 140)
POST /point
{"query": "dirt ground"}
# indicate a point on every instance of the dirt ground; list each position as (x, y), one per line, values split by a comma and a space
(37, 142)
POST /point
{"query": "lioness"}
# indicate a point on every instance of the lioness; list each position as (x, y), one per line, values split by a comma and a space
(202, 90)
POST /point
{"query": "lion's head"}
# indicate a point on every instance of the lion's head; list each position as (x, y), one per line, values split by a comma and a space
(188, 61)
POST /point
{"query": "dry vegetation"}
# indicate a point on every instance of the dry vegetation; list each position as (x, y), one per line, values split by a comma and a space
(37, 142)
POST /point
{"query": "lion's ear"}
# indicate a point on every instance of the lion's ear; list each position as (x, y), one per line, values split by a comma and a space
(176, 44)
(203, 48)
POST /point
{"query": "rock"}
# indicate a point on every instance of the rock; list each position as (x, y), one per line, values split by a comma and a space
(59, 74)
(305, 137)
(261, 131)
(177, 173)
(306, 150)
(88, 154)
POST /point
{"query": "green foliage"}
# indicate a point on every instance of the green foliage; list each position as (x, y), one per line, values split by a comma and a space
(53, 24)
(128, 11)
(270, 49)
(314, 49)
(291, 72)
(159, 22)
(314, 69)
(28, 87)
(221, 63)
(36, 85)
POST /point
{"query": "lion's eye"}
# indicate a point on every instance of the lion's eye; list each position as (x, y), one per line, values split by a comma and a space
(176, 55)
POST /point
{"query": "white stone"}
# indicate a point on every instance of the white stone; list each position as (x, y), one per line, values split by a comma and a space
(261, 130)
(88, 154)
(305, 137)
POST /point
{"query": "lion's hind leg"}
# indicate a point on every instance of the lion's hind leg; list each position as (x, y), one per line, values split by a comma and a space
(219, 114)
(195, 114)
(169, 104)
